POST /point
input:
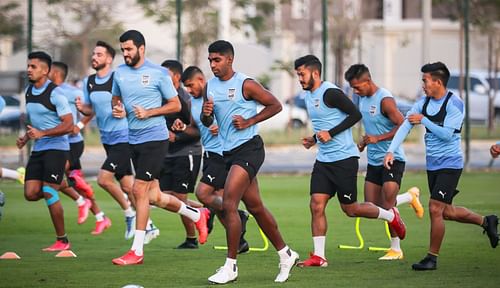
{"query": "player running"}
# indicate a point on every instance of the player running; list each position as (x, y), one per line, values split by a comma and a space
(210, 189)
(138, 89)
(232, 101)
(50, 119)
(58, 74)
(442, 114)
(336, 167)
(114, 133)
(381, 119)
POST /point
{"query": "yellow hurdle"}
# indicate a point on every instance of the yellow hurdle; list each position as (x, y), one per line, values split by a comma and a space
(358, 235)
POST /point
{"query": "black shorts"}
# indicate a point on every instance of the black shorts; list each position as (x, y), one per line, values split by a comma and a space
(214, 170)
(118, 157)
(75, 152)
(249, 156)
(47, 166)
(178, 174)
(443, 184)
(336, 177)
(379, 174)
(147, 158)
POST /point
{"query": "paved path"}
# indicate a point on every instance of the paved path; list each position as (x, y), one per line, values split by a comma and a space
(284, 159)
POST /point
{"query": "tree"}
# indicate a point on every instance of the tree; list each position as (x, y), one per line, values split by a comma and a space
(11, 22)
(344, 29)
(201, 18)
(258, 15)
(79, 24)
(200, 26)
(482, 14)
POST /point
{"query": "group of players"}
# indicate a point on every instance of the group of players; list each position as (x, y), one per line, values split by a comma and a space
(144, 115)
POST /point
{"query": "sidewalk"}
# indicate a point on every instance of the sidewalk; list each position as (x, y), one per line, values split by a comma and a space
(285, 159)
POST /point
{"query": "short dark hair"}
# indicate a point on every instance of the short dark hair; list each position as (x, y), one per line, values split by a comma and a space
(109, 49)
(42, 56)
(356, 71)
(63, 67)
(173, 65)
(222, 47)
(438, 70)
(190, 72)
(309, 61)
(135, 36)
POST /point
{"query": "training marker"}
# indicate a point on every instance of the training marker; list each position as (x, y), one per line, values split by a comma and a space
(10, 255)
(66, 254)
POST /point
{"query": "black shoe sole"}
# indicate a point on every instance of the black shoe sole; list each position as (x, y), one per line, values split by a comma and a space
(187, 246)
(492, 230)
(422, 269)
(243, 248)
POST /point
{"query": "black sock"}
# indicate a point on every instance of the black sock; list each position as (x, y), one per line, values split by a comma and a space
(191, 239)
(432, 257)
(63, 239)
(485, 223)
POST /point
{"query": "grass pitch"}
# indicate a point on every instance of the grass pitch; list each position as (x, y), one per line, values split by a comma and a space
(466, 258)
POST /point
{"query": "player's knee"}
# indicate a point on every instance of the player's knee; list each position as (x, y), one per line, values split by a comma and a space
(33, 195)
(448, 214)
(137, 192)
(104, 183)
(256, 210)
(202, 196)
(317, 209)
(229, 207)
(435, 209)
(350, 210)
(126, 188)
(51, 195)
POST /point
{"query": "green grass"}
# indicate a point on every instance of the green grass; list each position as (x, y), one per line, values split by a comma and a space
(466, 258)
(278, 137)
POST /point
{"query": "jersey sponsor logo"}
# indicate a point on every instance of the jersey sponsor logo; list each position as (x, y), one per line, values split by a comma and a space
(145, 80)
(316, 103)
(91, 85)
(231, 92)
(372, 110)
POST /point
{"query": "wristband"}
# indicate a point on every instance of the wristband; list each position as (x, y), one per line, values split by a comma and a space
(184, 127)
(80, 125)
(315, 138)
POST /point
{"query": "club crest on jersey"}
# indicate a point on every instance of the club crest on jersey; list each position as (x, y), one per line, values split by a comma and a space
(316, 103)
(145, 80)
(373, 110)
(230, 93)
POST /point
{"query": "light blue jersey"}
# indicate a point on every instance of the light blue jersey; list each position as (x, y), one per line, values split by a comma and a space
(442, 143)
(71, 93)
(2, 104)
(145, 86)
(376, 123)
(210, 142)
(228, 102)
(43, 117)
(98, 94)
(324, 118)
